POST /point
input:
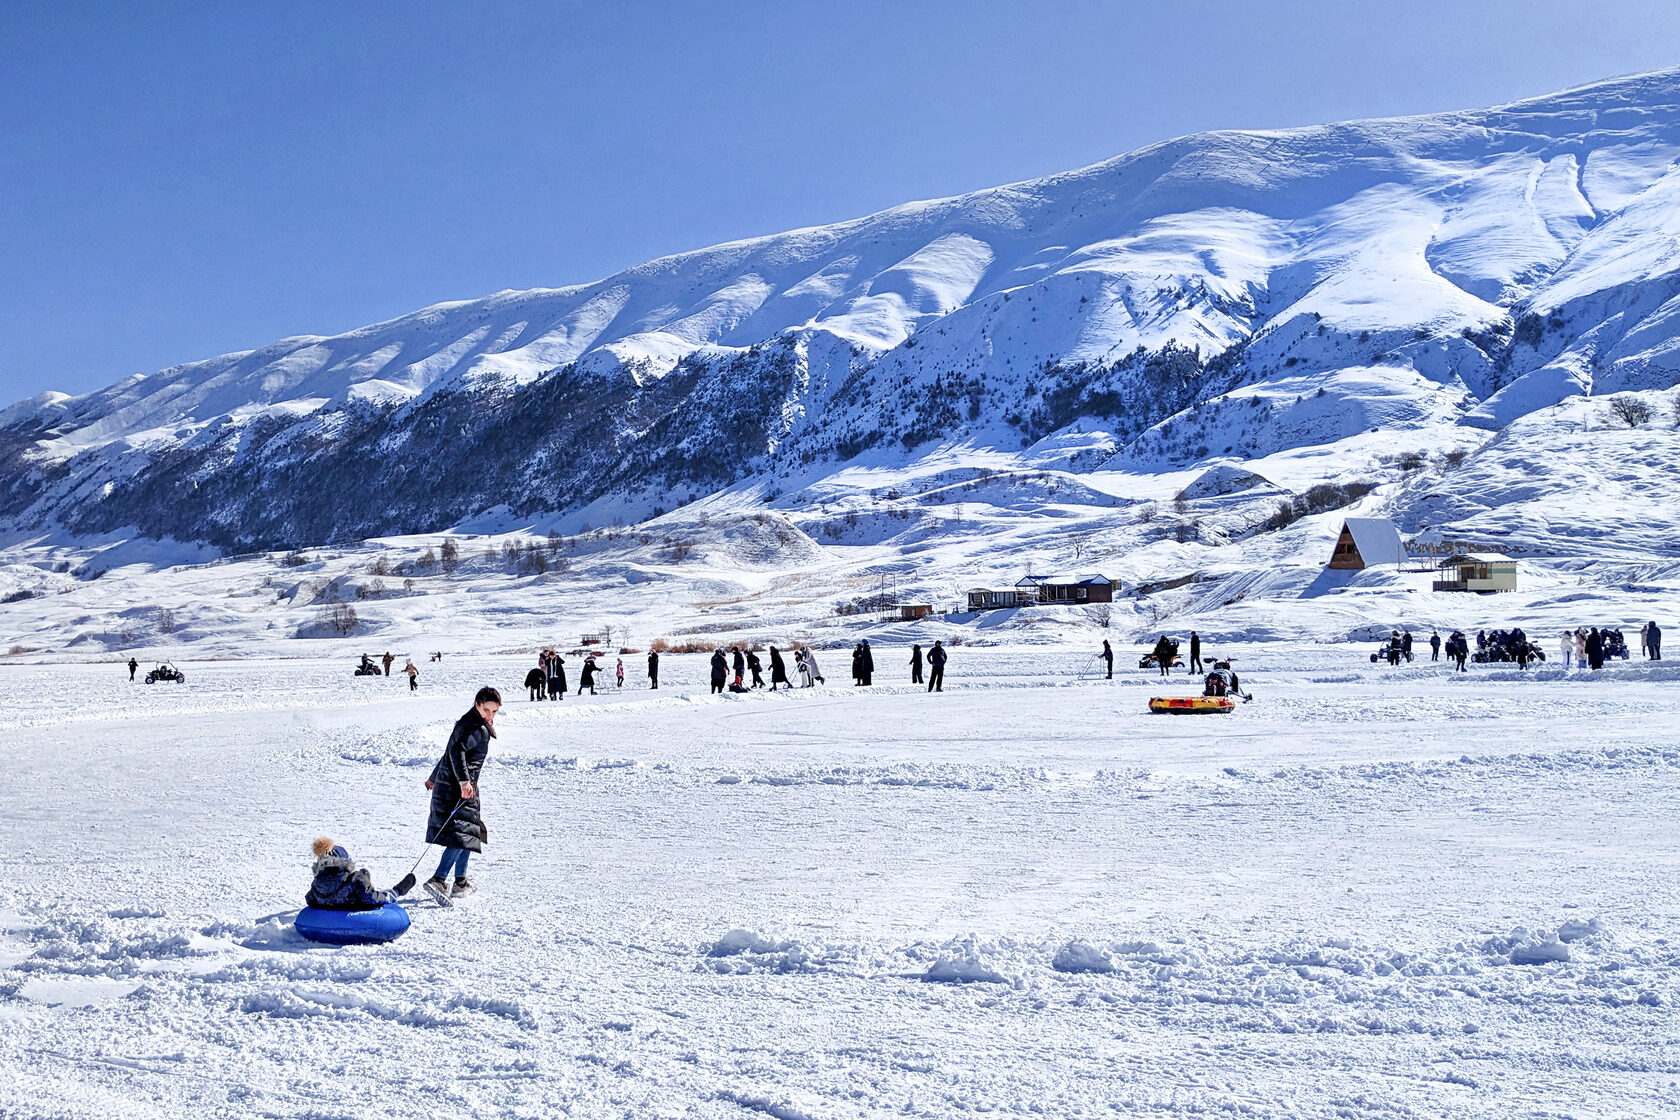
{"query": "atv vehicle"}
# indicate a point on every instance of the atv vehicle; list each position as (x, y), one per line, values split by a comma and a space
(367, 668)
(166, 672)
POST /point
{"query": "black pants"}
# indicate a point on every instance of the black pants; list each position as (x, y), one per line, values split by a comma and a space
(717, 686)
(915, 673)
(1110, 675)
(1656, 650)
(414, 684)
(653, 681)
(1196, 662)
(936, 679)
(1434, 654)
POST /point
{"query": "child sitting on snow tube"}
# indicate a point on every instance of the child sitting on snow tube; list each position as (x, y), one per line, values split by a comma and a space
(341, 885)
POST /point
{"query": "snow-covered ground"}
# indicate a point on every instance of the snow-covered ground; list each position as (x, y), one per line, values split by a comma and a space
(1370, 893)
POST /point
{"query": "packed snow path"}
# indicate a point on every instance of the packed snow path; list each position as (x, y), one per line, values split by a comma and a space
(1369, 893)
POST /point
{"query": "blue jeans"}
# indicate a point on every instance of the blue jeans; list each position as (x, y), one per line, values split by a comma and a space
(456, 858)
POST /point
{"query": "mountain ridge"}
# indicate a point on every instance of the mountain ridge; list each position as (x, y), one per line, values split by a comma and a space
(1468, 267)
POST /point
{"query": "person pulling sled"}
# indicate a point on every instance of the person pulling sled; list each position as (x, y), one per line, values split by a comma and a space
(456, 823)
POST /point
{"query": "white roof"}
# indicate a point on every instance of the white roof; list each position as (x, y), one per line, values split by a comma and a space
(1480, 558)
(1377, 539)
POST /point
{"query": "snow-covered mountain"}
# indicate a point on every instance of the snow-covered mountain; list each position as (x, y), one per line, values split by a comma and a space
(1223, 296)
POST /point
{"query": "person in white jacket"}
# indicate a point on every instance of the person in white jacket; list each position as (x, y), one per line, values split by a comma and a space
(1567, 647)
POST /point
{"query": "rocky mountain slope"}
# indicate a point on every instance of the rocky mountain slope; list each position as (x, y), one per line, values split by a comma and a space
(1220, 297)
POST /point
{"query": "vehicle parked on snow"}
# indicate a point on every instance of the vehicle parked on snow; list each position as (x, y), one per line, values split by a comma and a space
(166, 672)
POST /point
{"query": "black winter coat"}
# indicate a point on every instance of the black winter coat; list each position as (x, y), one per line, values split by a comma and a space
(778, 667)
(340, 885)
(936, 657)
(535, 679)
(720, 667)
(462, 760)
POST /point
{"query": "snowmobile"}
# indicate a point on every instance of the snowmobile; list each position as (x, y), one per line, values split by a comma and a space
(1147, 661)
(166, 672)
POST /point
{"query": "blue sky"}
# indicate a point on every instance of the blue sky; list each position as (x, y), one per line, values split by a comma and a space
(181, 180)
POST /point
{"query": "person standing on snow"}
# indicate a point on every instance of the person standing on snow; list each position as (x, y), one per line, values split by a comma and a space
(456, 823)
(778, 670)
(720, 670)
(740, 668)
(756, 668)
(1595, 649)
(387, 659)
(1653, 640)
(556, 675)
(936, 667)
(868, 663)
(1108, 660)
(132, 666)
(413, 673)
(621, 672)
(653, 668)
(586, 675)
(1434, 645)
(536, 683)
(811, 664)
(1195, 652)
(1164, 655)
(1406, 646)
(916, 664)
(1566, 647)
(857, 664)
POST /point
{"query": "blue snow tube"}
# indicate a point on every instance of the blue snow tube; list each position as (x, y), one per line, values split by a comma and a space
(353, 927)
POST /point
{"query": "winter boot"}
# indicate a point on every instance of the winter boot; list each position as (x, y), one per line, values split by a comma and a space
(438, 889)
(462, 886)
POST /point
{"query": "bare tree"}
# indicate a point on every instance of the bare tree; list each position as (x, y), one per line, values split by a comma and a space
(450, 554)
(1630, 410)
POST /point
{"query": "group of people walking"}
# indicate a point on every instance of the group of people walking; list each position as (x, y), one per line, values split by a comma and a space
(547, 679)
(744, 661)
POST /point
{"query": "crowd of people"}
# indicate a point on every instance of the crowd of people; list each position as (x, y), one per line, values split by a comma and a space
(1586, 646)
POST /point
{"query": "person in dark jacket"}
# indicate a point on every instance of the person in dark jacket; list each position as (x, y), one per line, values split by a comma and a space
(586, 675)
(653, 668)
(1108, 660)
(1195, 652)
(868, 663)
(756, 668)
(857, 664)
(1595, 649)
(1653, 640)
(537, 682)
(720, 670)
(340, 885)
(132, 666)
(455, 823)
(1434, 645)
(916, 664)
(740, 664)
(778, 670)
(1406, 646)
(556, 675)
(936, 667)
(1164, 655)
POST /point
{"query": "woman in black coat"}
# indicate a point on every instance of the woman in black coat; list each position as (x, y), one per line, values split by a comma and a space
(778, 669)
(455, 822)
(868, 663)
(537, 682)
(720, 670)
(556, 676)
(916, 664)
(857, 664)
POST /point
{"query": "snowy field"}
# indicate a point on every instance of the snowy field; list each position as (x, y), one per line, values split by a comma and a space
(1370, 893)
